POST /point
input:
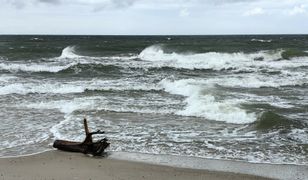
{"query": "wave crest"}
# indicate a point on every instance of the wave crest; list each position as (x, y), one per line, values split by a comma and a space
(69, 52)
(262, 40)
(34, 67)
(209, 60)
(74, 87)
(270, 120)
(200, 103)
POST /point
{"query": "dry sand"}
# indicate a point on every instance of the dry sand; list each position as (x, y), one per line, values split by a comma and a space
(62, 165)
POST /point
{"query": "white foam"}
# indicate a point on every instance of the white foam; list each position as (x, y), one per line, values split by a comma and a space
(300, 135)
(69, 52)
(121, 85)
(202, 104)
(283, 64)
(210, 60)
(6, 78)
(36, 39)
(66, 106)
(23, 141)
(257, 80)
(34, 67)
(75, 86)
(23, 88)
(56, 129)
(67, 59)
(272, 100)
(262, 40)
(97, 103)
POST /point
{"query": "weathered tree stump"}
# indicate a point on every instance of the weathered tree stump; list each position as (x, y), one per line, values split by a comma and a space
(87, 146)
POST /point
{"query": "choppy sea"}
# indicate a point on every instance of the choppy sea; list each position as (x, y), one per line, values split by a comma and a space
(222, 97)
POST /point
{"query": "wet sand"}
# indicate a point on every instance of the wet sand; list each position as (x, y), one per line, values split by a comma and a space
(62, 165)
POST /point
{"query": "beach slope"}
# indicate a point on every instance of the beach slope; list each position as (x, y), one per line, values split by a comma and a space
(62, 165)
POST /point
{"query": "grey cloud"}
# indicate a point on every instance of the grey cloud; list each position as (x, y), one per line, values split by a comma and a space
(19, 4)
(15, 3)
(219, 2)
(50, 1)
(105, 5)
(96, 4)
(123, 4)
(114, 4)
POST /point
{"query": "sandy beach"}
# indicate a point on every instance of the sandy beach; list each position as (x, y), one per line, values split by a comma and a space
(62, 165)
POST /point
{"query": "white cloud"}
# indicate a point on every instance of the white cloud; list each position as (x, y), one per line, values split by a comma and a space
(254, 12)
(297, 10)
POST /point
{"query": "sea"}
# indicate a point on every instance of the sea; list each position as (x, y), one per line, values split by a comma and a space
(234, 97)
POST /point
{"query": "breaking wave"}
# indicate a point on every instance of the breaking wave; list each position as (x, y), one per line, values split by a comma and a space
(270, 120)
(74, 87)
(6, 78)
(22, 88)
(200, 103)
(259, 81)
(69, 52)
(262, 40)
(154, 58)
(91, 68)
(293, 53)
(34, 67)
(221, 61)
(68, 61)
(55, 64)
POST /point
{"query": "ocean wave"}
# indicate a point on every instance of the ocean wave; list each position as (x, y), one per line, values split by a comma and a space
(262, 40)
(270, 120)
(67, 106)
(157, 53)
(293, 53)
(99, 104)
(34, 67)
(6, 78)
(36, 39)
(252, 80)
(200, 103)
(154, 58)
(221, 61)
(69, 52)
(22, 88)
(66, 62)
(75, 87)
(92, 68)
(283, 79)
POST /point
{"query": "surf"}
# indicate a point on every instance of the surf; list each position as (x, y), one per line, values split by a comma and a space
(201, 103)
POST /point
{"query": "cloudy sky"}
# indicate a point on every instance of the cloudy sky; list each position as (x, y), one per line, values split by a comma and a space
(155, 17)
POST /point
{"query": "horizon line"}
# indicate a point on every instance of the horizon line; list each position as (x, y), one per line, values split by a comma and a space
(269, 34)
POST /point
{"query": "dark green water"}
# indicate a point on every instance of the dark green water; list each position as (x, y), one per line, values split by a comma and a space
(228, 97)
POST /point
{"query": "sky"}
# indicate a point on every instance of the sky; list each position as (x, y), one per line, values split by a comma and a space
(153, 17)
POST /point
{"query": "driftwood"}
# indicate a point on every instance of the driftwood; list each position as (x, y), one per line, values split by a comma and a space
(87, 146)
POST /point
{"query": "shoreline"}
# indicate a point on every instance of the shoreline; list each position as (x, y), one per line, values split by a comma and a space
(120, 165)
(275, 171)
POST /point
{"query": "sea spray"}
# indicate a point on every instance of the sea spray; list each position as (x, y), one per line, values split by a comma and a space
(69, 52)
